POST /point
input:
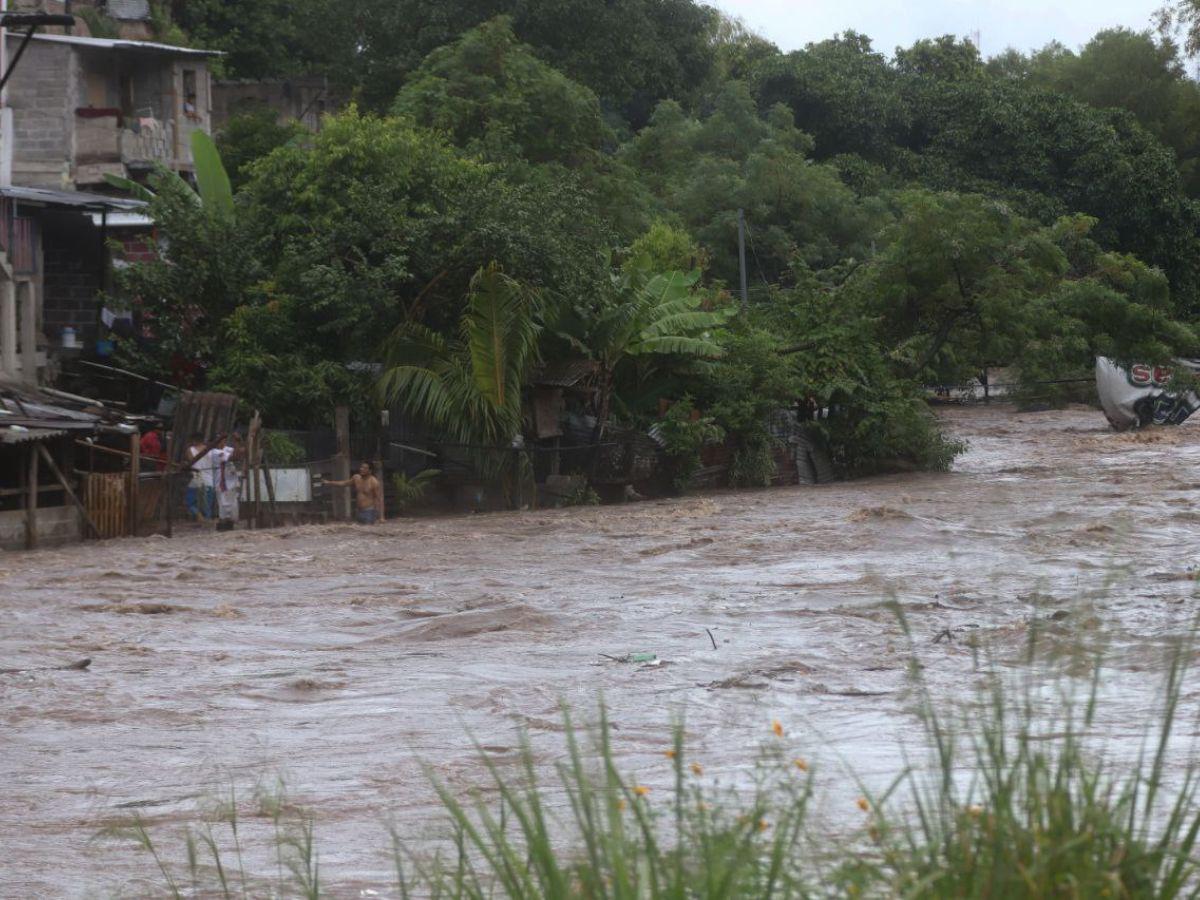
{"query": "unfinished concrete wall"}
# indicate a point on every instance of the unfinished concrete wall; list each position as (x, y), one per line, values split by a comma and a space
(43, 94)
(56, 525)
(303, 99)
(192, 95)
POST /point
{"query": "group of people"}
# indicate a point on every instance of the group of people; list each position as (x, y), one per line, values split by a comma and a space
(216, 477)
(215, 483)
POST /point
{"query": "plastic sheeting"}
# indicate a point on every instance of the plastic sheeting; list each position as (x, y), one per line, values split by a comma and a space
(1138, 396)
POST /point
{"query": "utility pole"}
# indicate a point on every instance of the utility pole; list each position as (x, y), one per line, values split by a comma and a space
(742, 256)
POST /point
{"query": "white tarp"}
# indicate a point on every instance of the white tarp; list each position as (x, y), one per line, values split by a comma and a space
(1138, 396)
(291, 485)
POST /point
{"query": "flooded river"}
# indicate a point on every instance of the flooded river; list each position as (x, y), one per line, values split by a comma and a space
(343, 658)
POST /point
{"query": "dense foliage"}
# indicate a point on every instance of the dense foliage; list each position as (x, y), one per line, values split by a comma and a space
(567, 177)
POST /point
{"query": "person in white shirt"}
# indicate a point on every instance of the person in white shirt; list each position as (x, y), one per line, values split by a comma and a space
(200, 494)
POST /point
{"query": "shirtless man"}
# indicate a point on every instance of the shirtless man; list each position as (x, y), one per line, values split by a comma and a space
(368, 492)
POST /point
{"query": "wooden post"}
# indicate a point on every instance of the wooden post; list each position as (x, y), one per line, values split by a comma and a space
(270, 490)
(8, 327)
(29, 368)
(382, 485)
(168, 484)
(253, 492)
(62, 479)
(135, 474)
(341, 462)
(31, 498)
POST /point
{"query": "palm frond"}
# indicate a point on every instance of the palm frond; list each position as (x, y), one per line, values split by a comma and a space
(414, 344)
(501, 335)
(684, 323)
(678, 344)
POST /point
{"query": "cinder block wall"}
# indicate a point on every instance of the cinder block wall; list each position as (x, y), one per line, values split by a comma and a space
(43, 94)
(71, 276)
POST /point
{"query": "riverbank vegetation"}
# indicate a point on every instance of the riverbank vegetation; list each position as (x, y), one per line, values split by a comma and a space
(1009, 794)
(910, 220)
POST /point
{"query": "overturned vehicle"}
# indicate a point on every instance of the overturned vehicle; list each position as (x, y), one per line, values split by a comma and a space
(1138, 396)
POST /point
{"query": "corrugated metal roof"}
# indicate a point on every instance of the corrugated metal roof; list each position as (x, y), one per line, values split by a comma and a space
(19, 435)
(24, 409)
(111, 44)
(73, 199)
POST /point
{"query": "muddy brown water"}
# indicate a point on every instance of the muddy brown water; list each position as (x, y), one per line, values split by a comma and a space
(344, 659)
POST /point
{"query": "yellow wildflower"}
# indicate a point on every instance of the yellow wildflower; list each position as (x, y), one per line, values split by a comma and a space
(669, 754)
(777, 727)
(641, 790)
(863, 804)
(801, 764)
(697, 769)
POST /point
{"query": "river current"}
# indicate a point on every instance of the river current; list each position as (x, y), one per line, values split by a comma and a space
(346, 660)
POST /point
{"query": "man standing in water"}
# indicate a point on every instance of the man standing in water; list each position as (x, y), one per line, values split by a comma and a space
(368, 494)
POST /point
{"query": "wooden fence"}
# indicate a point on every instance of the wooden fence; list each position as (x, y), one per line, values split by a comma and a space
(106, 498)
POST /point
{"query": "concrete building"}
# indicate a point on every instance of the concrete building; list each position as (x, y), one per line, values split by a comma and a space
(86, 107)
(80, 109)
(304, 99)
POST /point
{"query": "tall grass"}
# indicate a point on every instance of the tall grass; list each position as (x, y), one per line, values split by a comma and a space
(1015, 798)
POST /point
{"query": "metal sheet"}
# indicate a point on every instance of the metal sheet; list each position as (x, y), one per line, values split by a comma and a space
(19, 435)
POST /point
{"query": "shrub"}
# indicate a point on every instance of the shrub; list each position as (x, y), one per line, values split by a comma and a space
(410, 491)
(753, 464)
(281, 450)
(683, 434)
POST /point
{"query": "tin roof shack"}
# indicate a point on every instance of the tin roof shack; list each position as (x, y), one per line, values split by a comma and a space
(39, 502)
(87, 107)
(53, 264)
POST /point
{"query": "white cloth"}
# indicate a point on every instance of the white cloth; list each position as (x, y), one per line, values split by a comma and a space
(202, 468)
(227, 482)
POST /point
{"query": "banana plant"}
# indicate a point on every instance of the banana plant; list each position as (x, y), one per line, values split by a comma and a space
(213, 190)
(647, 314)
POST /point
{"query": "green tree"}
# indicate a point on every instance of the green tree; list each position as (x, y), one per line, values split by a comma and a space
(489, 94)
(843, 93)
(704, 171)
(753, 379)
(1050, 155)
(200, 272)
(963, 283)
(631, 54)
(1136, 72)
(249, 136)
(259, 39)
(945, 58)
(375, 222)
(738, 51)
